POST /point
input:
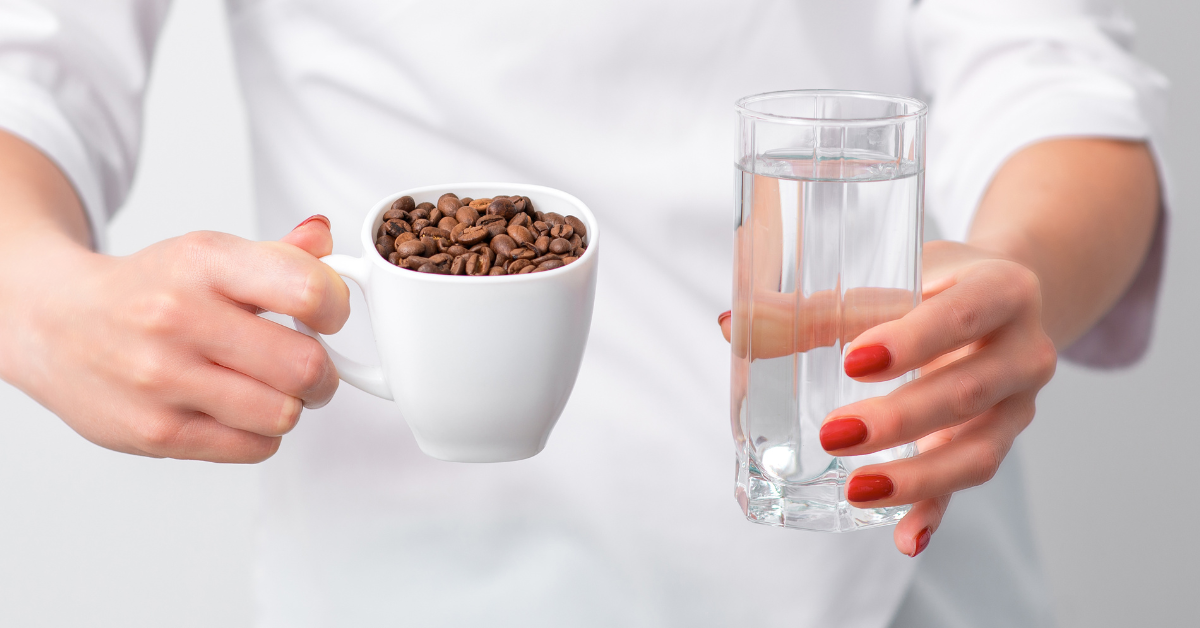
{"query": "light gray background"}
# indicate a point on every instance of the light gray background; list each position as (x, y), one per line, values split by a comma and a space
(93, 538)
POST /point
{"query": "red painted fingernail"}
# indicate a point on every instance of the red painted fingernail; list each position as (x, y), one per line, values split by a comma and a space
(869, 488)
(724, 317)
(922, 541)
(865, 361)
(323, 219)
(842, 433)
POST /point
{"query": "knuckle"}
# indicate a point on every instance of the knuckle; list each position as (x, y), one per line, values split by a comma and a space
(312, 366)
(152, 371)
(310, 297)
(158, 435)
(1045, 358)
(965, 322)
(160, 313)
(986, 456)
(970, 395)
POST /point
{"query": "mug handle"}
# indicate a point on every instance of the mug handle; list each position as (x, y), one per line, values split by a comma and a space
(362, 376)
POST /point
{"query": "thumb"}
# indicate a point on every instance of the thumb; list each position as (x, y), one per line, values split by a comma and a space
(312, 236)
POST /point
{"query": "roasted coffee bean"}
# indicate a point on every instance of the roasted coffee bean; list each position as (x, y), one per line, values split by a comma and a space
(471, 236)
(452, 237)
(497, 228)
(577, 225)
(395, 227)
(520, 234)
(385, 245)
(562, 231)
(502, 207)
(415, 261)
(412, 247)
(560, 246)
(466, 215)
(504, 245)
(521, 220)
(473, 265)
(404, 204)
(449, 204)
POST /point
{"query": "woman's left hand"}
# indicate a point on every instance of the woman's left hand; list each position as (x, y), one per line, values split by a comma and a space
(978, 339)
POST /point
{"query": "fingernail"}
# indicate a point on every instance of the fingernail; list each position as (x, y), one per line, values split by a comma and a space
(724, 317)
(315, 217)
(922, 541)
(865, 361)
(869, 488)
(842, 433)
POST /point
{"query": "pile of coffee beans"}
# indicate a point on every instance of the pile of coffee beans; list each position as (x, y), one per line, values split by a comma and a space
(502, 235)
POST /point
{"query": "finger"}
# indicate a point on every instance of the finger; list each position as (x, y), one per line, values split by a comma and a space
(282, 358)
(274, 276)
(237, 401)
(948, 396)
(196, 436)
(984, 298)
(915, 530)
(970, 459)
(312, 236)
(780, 323)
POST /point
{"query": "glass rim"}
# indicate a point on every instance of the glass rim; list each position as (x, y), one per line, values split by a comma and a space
(741, 105)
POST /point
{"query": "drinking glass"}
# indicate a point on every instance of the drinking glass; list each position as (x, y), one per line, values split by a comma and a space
(827, 243)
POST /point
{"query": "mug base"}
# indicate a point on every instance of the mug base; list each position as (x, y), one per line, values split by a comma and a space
(481, 452)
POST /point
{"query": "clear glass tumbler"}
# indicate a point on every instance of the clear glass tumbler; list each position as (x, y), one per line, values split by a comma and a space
(827, 243)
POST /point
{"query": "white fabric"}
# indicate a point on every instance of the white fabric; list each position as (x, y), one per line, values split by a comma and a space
(628, 517)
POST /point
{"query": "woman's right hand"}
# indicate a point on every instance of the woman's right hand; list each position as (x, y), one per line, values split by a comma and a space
(162, 353)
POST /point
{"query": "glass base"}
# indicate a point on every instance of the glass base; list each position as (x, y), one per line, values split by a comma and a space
(818, 504)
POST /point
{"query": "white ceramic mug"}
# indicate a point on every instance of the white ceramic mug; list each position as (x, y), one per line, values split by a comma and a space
(480, 367)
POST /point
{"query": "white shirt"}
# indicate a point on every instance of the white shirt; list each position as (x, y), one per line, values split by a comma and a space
(628, 517)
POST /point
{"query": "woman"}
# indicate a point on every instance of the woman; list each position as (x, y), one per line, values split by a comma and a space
(1041, 186)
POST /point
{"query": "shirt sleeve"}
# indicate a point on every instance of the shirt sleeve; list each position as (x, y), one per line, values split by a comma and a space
(1001, 76)
(72, 78)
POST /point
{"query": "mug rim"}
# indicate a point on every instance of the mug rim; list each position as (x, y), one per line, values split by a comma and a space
(385, 203)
